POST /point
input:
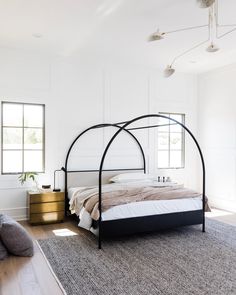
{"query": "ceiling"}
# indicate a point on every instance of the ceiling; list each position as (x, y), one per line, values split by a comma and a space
(116, 29)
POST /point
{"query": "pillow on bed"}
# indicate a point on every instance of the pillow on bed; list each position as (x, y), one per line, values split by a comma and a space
(131, 177)
(14, 237)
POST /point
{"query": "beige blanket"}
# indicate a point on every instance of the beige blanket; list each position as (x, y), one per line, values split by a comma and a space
(114, 195)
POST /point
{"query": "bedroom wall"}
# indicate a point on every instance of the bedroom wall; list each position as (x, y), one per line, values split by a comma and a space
(79, 93)
(217, 129)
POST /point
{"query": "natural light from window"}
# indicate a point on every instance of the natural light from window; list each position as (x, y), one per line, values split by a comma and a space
(64, 232)
(218, 213)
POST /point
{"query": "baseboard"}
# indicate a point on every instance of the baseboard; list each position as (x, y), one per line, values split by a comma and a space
(18, 214)
(226, 205)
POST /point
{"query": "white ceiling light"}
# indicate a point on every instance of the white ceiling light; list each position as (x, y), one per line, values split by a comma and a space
(156, 36)
(205, 3)
(168, 71)
(37, 35)
(212, 26)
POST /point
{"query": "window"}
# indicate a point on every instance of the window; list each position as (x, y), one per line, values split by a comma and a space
(171, 142)
(23, 138)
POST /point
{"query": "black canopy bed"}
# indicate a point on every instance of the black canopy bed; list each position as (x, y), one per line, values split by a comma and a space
(135, 224)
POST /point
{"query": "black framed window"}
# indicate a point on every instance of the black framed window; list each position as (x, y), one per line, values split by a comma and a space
(23, 138)
(171, 142)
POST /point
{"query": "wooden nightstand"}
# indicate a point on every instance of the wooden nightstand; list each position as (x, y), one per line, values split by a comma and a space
(46, 207)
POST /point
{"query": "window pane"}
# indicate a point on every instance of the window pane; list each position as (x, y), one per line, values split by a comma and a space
(33, 116)
(163, 161)
(163, 141)
(175, 141)
(176, 127)
(12, 114)
(175, 159)
(33, 138)
(12, 161)
(12, 138)
(163, 121)
(33, 161)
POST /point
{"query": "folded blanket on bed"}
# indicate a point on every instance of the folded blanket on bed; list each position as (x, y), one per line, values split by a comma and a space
(117, 194)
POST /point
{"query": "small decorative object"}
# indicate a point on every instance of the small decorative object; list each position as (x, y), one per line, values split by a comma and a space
(46, 186)
(28, 176)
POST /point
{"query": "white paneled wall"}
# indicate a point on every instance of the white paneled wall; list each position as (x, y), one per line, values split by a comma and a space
(217, 127)
(79, 94)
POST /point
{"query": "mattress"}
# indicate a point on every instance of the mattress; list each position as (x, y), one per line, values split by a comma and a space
(138, 209)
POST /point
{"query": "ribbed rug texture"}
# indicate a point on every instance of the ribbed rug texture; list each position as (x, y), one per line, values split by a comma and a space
(180, 262)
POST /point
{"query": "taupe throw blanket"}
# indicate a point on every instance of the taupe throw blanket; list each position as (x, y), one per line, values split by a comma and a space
(114, 195)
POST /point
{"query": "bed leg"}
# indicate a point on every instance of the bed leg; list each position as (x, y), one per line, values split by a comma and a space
(203, 227)
(99, 242)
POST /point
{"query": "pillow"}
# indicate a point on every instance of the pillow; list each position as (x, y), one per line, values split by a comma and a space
(3, 251)
(15, 238)
(130, 177)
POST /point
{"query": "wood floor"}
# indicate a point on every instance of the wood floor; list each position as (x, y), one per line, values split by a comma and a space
(32, 276)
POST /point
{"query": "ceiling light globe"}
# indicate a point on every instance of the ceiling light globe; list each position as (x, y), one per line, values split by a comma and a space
(212, 48)
(205, 3)
(168, 71)
(156, 36)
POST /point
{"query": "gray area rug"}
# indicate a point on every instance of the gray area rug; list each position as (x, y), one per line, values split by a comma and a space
(182, 261)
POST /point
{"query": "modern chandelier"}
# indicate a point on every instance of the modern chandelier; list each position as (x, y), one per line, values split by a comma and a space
(213, 33)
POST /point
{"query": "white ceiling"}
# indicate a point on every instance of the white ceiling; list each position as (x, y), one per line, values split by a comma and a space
(116, 28)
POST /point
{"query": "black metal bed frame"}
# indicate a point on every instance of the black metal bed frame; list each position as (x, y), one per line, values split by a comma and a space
(144, 223)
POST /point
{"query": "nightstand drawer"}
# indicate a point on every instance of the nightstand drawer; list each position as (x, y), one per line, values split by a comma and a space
(46, 217)
(46, 197)
(47, 207)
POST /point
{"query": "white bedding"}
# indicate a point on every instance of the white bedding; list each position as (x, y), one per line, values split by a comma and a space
(137, 209)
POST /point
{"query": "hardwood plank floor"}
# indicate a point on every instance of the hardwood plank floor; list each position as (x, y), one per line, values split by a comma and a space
(32, 276)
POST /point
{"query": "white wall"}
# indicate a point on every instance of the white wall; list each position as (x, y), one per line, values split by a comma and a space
(78, 94)
(217, 128)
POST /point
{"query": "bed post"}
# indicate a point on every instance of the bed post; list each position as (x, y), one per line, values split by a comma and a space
(66, 191)
(100, 210)
(204, 199)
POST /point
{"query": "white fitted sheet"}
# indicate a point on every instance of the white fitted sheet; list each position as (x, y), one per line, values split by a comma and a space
(144, 208)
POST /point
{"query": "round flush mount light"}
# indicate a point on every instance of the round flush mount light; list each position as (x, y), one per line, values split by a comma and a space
(205, 3)
(37, 35)
(212, 48)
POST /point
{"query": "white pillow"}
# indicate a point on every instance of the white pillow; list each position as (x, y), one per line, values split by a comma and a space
(131, 177)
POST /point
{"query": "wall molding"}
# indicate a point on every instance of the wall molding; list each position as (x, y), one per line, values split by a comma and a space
(19, 213)
(92, 93)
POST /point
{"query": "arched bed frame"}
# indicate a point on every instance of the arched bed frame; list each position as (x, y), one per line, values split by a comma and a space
(145, 223)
